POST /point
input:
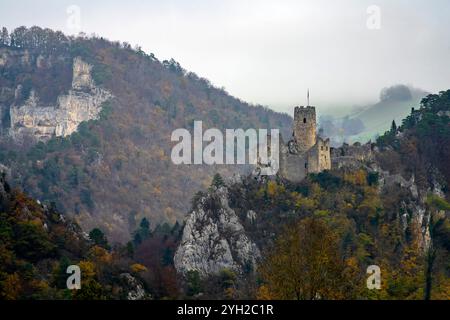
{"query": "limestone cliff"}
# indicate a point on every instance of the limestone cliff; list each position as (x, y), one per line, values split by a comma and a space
(214, 238)
(123, 164)
(413, 206)
(224, 230)
(82, 103)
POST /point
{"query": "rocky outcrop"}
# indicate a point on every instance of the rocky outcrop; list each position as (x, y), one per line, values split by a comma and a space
(82, 103)
(135, 289)
(214, 238)
(414, 213)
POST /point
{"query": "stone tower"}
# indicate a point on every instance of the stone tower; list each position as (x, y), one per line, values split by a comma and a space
(305, 127)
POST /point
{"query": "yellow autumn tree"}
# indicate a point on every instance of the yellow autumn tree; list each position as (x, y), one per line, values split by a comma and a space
(11, 287)
(305, 264)
(263, 293)
(137, 268)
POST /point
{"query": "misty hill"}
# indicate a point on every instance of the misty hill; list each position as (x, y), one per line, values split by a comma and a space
(395, 104)
(368, 122)
(86, 124)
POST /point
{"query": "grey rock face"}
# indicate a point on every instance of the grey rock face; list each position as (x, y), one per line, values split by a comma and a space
(5, 171)
(82, 103)
(214, 239)
(251, 216)
(135, 289)
(415, 210)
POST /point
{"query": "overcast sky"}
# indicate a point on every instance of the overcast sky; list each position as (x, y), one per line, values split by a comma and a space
(270, 52)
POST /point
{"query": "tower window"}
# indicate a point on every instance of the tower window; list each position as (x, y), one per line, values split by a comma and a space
(304, 120)
(306, 165)
(321, 148)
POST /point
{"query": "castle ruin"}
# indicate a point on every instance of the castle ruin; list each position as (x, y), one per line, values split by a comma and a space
(306, 152)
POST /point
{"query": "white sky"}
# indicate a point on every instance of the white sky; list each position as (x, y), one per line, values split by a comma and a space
(270, 52)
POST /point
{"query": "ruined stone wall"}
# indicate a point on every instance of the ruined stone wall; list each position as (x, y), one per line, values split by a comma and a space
(324, 154)
(305, 128)
(292, 166)
(351, 156)
(313, 160)
(306, 153)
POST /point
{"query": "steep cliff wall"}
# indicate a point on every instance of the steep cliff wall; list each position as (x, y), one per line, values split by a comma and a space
(82, 103)
(233, 226)
(214, 238)
(122, 164)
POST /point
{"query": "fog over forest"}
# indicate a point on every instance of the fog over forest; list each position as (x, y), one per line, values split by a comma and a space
(270, 52)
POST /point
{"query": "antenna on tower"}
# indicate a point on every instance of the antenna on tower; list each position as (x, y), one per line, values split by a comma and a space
(307, 95)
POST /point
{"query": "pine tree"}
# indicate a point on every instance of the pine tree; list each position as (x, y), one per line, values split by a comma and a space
(393, 127)
(99, 238)
(217, 181)
(144, 229)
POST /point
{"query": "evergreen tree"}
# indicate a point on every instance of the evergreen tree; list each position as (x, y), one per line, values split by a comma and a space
(137, 240)
(130, 249)
(144, 228)
(99, 238)
(217, 181)
(142, 233)
(194, 284)
(393, 127)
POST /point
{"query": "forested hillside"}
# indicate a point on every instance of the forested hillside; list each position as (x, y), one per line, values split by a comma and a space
(117, 169)
(317, 238)
(421, 142)
(246, 237)
(37, 244)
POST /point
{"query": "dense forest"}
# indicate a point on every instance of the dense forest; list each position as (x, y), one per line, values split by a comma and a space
(113, 176)
(37, 245)
(318, 237)
(115, 170)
